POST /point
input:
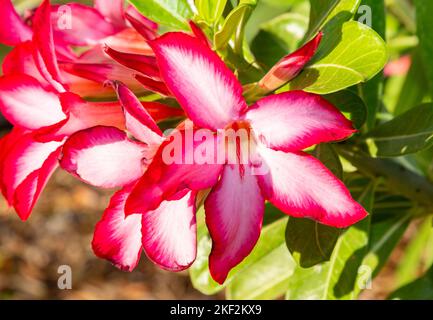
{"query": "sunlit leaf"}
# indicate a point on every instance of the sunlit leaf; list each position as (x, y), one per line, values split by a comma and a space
(336, 278)
(234, 26)
(410, 132)
(334, 12)
(266, 272)
(348, 55)
(167, 12)
(210, 10)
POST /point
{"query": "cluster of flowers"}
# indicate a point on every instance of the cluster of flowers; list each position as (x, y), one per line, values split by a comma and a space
(55, 64)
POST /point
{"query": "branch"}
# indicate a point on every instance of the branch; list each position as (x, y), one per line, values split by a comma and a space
(399, 179)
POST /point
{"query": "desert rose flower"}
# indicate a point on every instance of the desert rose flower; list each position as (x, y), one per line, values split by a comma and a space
(107, 157)
(34, 98)
(280, 127)
(73, 30)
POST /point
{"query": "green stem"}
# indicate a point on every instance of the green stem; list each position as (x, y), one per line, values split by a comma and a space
(404, 12)
(399, 179)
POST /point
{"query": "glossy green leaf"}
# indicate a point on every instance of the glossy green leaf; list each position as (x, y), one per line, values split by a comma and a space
(372, 90)
(309, 242)
(269, 262)
(210, 10)
(278, 37)
(166, 12)
(329, 13)
(234, 26)
(349, 54)
(351, 105)
(326, 154)
(335, 279)
(384, 237)
(199, 271)
(413, 260)
(410, 132)
(424, 21)
(265, 273)
(420, 289)
(319, 12)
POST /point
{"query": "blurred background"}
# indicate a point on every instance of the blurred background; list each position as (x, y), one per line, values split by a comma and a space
(60, 230)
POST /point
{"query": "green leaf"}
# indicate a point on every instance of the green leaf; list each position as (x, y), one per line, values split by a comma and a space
(348, 55)
(199, 271)
(384, 237)
(265, 273)
(424, 30)
(336, 278)
(319, 12)
(415, 86)
(373, 89)
(409, 132)
(327, 155)
(278, 37)
(270, 263)
(329, 12)
(420, 289)
(234, 26)
(309, 242)
(412, 261)
(167, 12)
(210, 10)
(351, 105)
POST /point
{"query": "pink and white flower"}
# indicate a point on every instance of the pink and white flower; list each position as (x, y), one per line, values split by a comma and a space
(282, 125)
(106, 157)
(35, 99)
(119, 27)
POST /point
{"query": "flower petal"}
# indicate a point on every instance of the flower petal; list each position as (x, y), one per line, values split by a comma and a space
(234, 216)
(82, 20)
(161, 112)
(204, 86)
(138, 121)
(21, 60)
(170, 233)
(7, 143)
(130, 41)
(43, 39)
(25, 103)
(103, 157)
(83, 115)
(13, 30)
(113, 11)
(28, 192)
(174, 168)
(101, 72)
(118, 238)
(199, 34)
(141, 63)
(154, 85)
(145, 27)
(26, 167)
(296, 120)
(289, 67)
(301, 186)
(131, 11)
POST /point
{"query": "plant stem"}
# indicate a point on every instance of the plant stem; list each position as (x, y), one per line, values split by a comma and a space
(399, 179)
